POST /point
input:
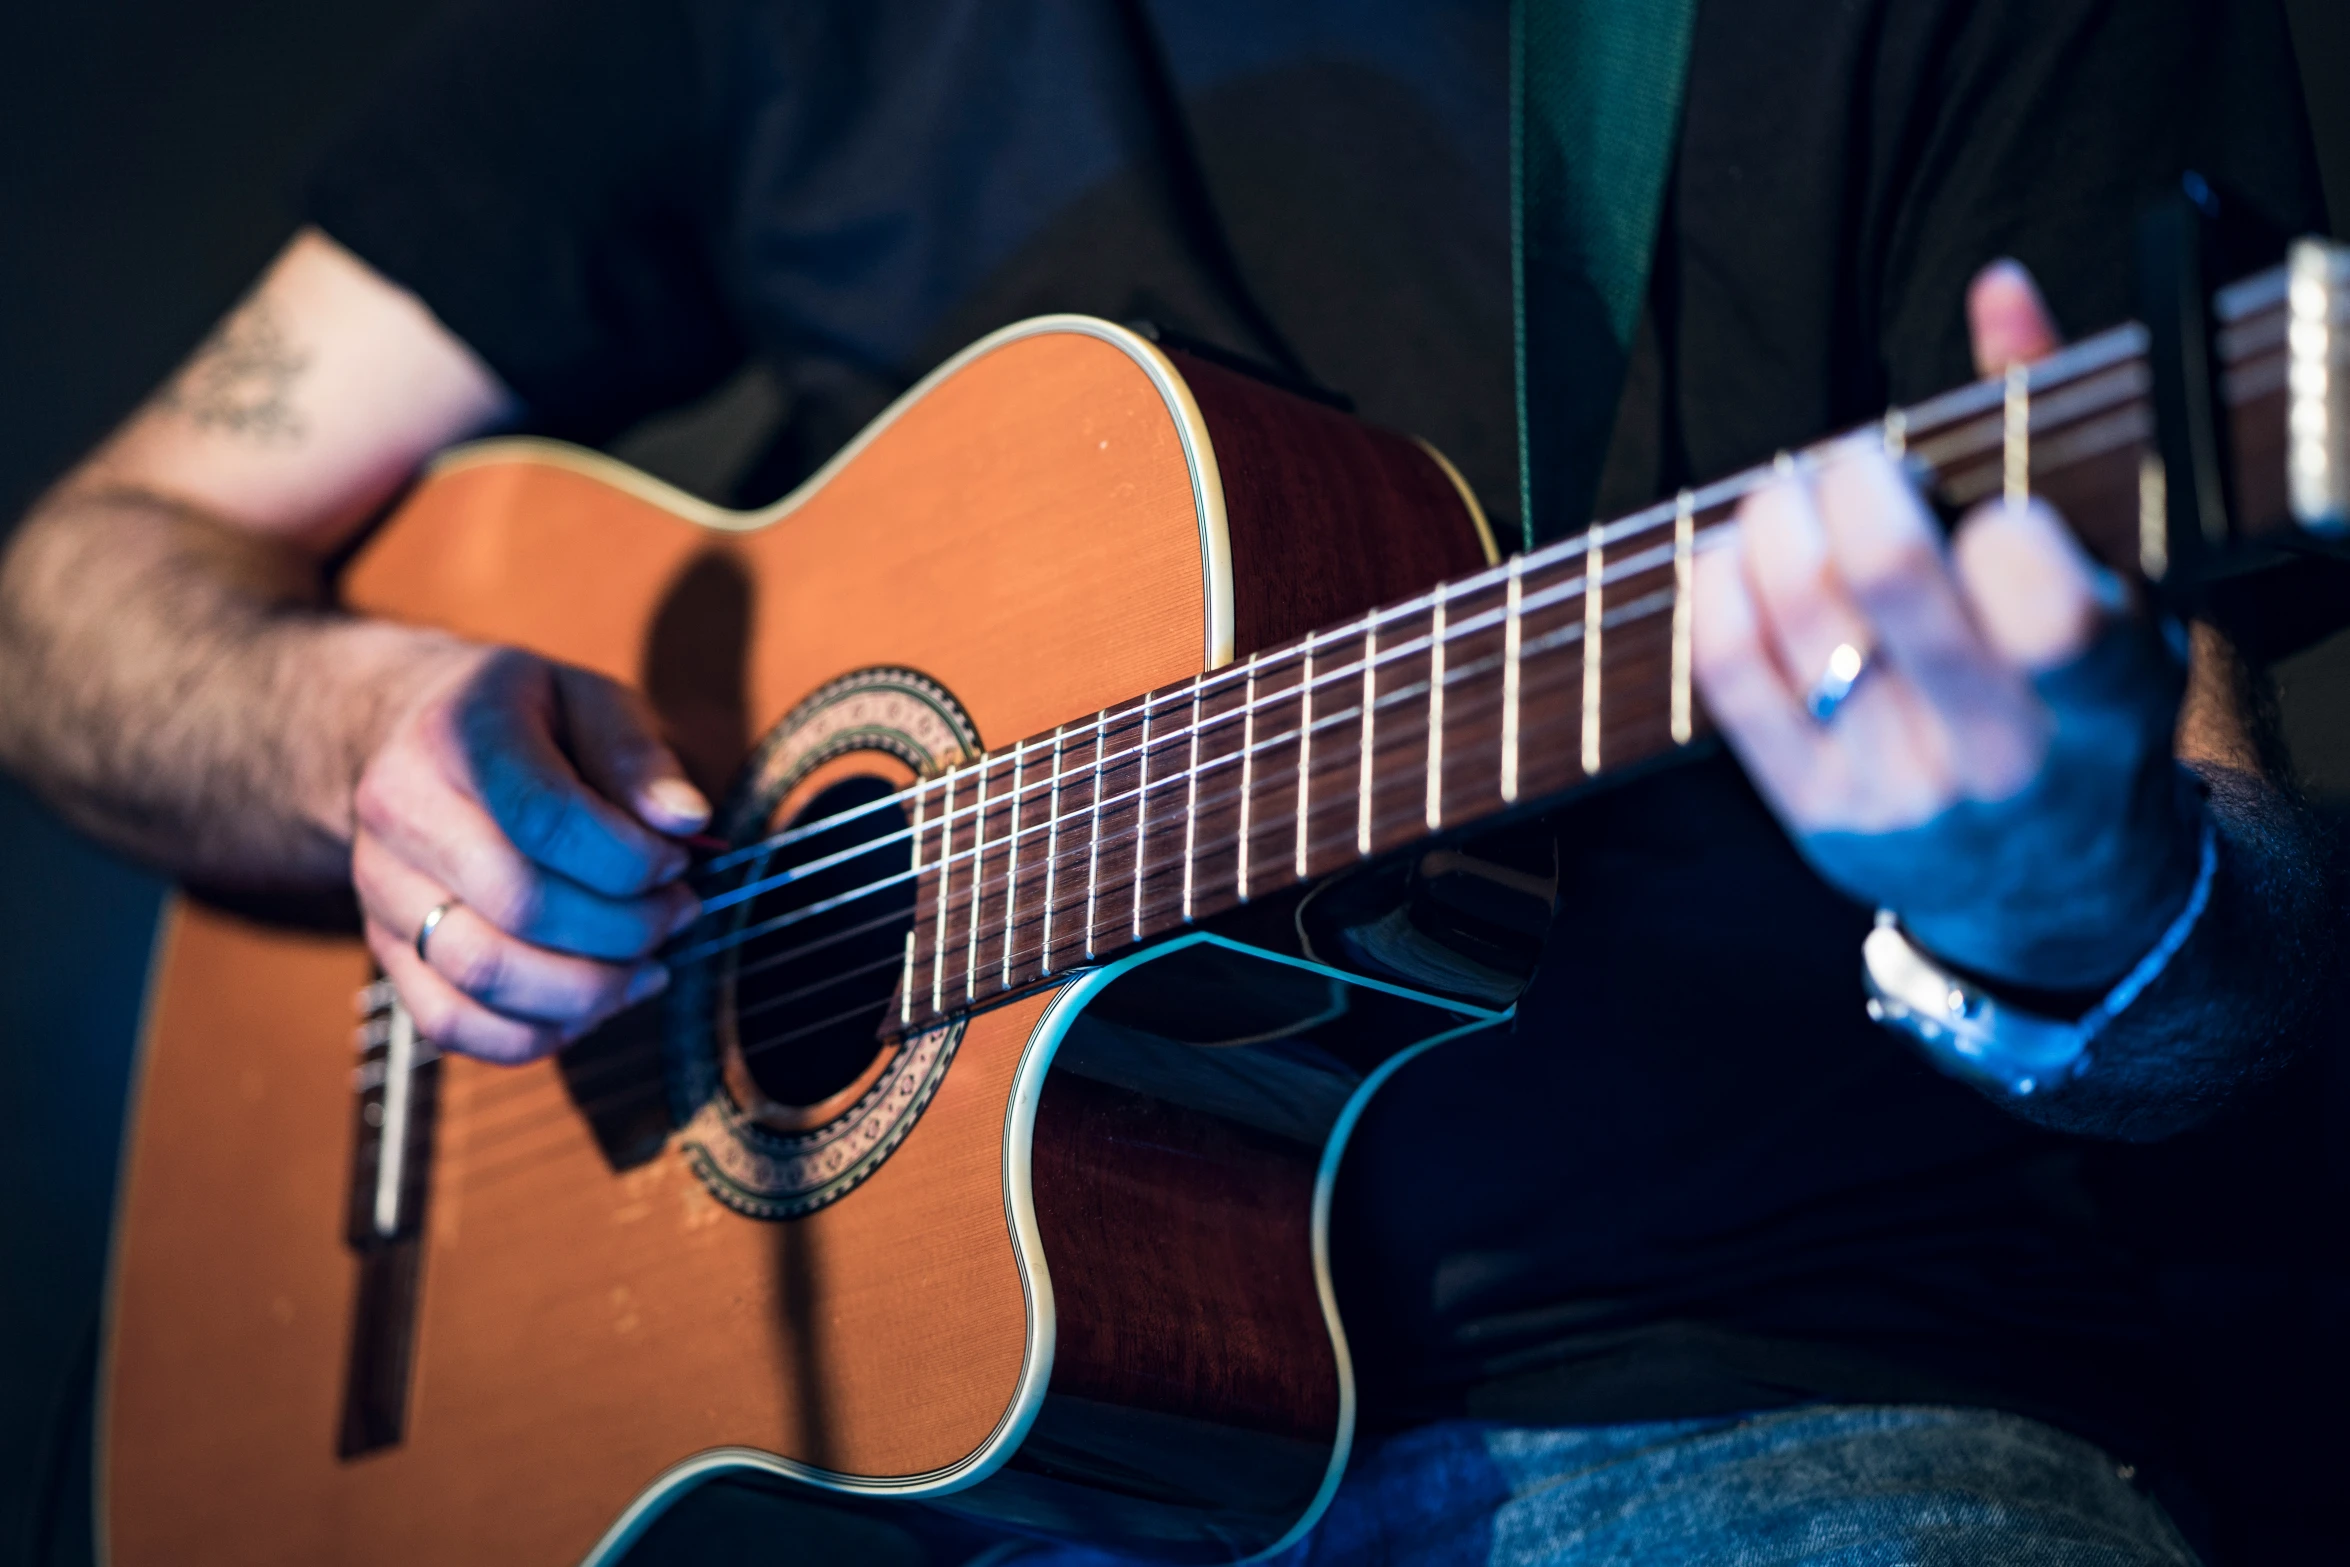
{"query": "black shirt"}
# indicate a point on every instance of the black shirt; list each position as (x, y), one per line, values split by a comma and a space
(1692, 1178)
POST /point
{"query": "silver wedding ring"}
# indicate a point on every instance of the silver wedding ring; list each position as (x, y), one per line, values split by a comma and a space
(432, 922)
(1845, 667)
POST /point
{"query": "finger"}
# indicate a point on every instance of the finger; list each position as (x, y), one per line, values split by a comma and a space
(1745, 694)
(2038, 597)
(2007, 320)
(511, 977)
(450, 1019)
(614, 741)
(424, 822)
(1800, 602)
(1884, 759)
(505, 734)
(1887, 554)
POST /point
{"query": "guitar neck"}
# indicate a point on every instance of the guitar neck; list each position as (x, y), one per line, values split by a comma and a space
(1506, 689)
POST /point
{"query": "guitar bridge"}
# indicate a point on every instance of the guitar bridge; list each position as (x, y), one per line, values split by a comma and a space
(397, 1089)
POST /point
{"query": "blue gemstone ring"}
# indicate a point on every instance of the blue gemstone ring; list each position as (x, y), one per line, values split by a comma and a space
(1845, 668)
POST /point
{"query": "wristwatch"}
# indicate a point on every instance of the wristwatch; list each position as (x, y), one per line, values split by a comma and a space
(1973, 1035)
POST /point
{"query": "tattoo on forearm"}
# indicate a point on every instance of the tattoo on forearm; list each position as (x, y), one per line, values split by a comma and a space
(241, 380)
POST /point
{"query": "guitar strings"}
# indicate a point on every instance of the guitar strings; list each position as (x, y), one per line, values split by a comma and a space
(1345, 674)
(486, 1135)
(1955, 445)
(482, 1134)
(1111, 802)
(1337, 675)
(1338, 838)
(962, 900)
(1965, 423)
(1331, 720)
(1949, 458)
(1491, 577)
(1484, 707)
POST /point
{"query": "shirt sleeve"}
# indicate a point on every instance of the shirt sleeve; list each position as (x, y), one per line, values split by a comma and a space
(546, 176)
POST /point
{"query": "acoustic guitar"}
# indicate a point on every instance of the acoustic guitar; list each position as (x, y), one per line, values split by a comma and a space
(1105, 738)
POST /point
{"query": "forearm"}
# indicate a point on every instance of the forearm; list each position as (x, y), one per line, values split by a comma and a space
(2252, 987)
(181, 690)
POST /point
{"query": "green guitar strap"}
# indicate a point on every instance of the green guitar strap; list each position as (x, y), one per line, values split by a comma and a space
(1595, 102)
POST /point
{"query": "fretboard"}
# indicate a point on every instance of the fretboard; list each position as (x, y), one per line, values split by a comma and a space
(1501, 691)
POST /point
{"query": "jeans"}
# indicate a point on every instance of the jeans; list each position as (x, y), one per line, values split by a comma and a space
(1847, 1486)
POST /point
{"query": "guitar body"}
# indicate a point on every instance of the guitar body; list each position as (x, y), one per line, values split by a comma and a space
(1060, 1262)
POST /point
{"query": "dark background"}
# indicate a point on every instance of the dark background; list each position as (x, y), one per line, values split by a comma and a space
(148, 150)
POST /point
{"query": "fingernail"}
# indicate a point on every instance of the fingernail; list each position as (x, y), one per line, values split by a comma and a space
(678, 802)
(684, 918)
(647, 982)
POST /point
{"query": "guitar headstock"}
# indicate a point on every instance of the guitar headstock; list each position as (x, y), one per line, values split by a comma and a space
(2317, 420)
(2250, 392)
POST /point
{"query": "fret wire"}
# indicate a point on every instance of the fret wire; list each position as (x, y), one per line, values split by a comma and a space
(1333, 722)
(2153, 516)
(1435, 801)
(1956, 412)
(1595, 578)
(1554, 639)
(1205, 681)
(1684, 538)
(1961, 450)
(2127, 431)
(1093, 849)
(1052, 855)
(978, 886)
(1305, 742)
(1551, 641)
(1561, 593)
(906, 983)
(1363, 768)
(1012, 863)
(1629, 527)
(1683, 550)
(2106, 388)
(1328, 840)
(1626, 527)
(1510, 638)
(1191, 805)
(1390, 654)
(1248, 743)
(1331, 840)
(1653, 603)
(2016, 430)
(946, 871)
(1142, 805)
(1896, 433)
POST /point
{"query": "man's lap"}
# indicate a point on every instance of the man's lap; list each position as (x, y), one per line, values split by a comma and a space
(1848, 1486)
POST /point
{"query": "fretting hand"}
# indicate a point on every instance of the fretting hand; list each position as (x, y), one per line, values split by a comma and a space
(1999, 773)
(533, 801)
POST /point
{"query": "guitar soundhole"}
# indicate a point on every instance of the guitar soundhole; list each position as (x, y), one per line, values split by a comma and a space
(784, 1095)
(809, 996)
